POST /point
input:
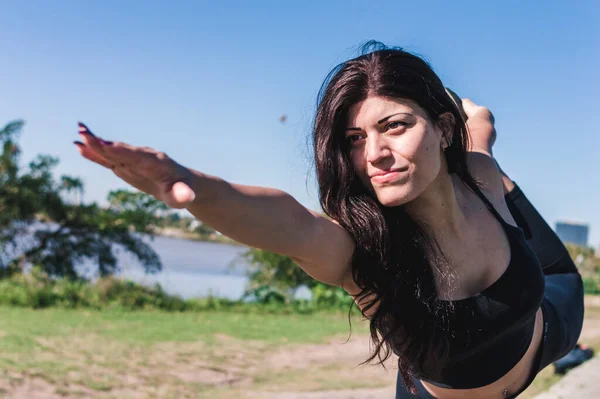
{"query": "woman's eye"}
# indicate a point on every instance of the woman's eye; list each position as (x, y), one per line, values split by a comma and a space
(395, 125)
(353, 138)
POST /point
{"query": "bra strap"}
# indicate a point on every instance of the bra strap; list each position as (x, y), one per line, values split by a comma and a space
(486, 201)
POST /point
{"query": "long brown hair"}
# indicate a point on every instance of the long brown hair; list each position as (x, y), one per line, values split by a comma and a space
(392, 261)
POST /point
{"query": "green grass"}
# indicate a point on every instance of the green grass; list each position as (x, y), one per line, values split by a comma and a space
(113, 352)
(20, 326)
(154, 354)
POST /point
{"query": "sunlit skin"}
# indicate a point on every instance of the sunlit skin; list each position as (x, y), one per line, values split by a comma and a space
(398, 136)
(384, 135)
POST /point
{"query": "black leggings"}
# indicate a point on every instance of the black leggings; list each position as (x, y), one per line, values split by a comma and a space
(562, 306)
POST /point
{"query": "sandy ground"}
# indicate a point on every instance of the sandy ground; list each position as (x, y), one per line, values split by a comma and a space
(582, 382)
(229, 369)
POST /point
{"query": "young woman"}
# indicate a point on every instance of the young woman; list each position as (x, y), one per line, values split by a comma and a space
(457, 272)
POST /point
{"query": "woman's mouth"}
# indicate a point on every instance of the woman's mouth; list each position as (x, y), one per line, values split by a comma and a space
(393, 174)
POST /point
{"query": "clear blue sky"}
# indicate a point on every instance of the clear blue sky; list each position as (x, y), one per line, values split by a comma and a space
(206, 82)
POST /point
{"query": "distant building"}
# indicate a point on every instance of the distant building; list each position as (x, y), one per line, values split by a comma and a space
(573, 232)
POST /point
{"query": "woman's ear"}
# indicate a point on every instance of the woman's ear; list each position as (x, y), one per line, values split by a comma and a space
(446, 124)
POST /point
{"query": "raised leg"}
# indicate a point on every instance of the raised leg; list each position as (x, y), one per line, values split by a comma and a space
(550, 250)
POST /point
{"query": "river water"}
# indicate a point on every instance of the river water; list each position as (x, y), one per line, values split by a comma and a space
(192, 268)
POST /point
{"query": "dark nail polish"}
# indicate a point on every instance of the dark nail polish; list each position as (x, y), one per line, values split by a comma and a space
(84, 129)
(79, 143)
(104, 142)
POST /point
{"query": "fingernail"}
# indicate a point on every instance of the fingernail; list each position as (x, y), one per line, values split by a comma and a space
(104, 142)
(79, 143)
(84, 129)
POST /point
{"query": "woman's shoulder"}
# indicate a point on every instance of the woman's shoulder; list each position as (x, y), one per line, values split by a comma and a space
(485, 171)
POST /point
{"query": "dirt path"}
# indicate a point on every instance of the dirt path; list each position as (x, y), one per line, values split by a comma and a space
(581, 382)
(376, 393)
(227, 369)
(93, 367)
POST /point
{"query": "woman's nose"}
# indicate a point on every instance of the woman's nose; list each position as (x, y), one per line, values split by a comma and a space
(377, 149)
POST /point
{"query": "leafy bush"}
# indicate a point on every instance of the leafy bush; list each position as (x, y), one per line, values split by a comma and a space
(280, 273)
(329, 297)
(591, 285)
(38, 290)
(589, 267)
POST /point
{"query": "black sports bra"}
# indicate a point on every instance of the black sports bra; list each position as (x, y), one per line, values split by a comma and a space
(490, 332)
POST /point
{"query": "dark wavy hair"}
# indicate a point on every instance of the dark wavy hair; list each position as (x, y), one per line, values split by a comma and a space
(395, 255)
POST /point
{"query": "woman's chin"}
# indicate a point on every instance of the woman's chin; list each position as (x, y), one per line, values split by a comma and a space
(391, 200)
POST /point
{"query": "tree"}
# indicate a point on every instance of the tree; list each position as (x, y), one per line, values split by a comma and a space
(276, 278)
(204, 230)
(268, 269)
(588, 265)
(40, 225)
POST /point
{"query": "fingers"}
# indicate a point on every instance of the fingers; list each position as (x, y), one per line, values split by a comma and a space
(125, 154)
(92, 156)
(126, 173)
(469, 106)
(88, 153)
(472, 109)
(145, 169)
(91, 140)
(119, 154)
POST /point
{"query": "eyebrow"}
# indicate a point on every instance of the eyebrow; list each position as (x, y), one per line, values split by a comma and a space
(388, 117)
(379, 122)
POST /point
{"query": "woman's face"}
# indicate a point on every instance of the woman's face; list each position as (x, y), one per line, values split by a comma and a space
(395, 148)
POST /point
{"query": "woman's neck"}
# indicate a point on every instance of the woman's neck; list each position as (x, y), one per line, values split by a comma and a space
(441, 206)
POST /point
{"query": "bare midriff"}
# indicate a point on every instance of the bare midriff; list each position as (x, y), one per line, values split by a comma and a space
(511, 383)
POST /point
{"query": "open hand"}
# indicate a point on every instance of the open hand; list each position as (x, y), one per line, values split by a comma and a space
(145, 169)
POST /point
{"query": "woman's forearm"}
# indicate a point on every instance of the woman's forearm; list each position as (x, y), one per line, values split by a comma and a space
(260, 217)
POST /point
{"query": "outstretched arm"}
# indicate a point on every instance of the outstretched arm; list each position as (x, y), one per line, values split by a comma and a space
(260, 217)
(273, 220)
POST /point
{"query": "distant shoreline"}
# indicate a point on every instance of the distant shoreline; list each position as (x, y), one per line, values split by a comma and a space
(173, 232)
